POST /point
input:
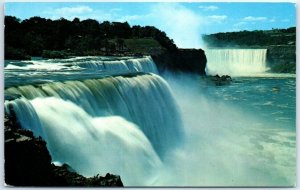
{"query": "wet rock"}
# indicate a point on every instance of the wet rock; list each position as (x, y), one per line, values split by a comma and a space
(219, 81)
(183, 60)
(27, 160)
(28, 163)
(66, 176)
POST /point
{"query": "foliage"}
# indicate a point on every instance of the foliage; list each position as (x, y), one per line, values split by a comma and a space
(142, 45)
(16, 54)
(252, 38)
(54, 54)
(284, 68)
(36, 34)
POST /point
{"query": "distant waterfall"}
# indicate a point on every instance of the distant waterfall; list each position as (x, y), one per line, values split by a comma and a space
(236, 61)
(145, 100)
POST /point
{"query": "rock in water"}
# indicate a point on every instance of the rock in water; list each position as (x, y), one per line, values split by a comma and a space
(219, 81)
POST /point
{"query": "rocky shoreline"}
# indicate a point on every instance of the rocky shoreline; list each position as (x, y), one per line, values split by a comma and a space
(28, 163)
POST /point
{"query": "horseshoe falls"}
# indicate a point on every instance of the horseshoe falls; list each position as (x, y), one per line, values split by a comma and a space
(117, 115)
(236, 62)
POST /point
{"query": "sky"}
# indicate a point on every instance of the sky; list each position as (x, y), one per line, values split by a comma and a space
(183, 22)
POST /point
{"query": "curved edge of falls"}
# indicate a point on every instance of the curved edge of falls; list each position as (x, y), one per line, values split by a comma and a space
(236, 62)
(111, 124)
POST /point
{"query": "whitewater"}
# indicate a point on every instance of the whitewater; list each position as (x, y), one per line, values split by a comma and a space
(117, 115)
(236, 62)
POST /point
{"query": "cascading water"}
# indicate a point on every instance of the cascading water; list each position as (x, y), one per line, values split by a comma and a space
(128, 124)
(236, 62)
(77, 68)
(80, 120)
(91, 145)
(143, 64)
(142, 99)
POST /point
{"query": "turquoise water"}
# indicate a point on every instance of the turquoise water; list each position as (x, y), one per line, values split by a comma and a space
(242, 134)
(271, 98)
(38, 70)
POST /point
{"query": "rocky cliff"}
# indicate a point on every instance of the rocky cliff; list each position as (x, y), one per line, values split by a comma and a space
(182, 60)
(28, 163)
(282, 58)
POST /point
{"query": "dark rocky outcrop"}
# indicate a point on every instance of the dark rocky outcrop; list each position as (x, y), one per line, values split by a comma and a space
(16, 54)
(28, 163)
(182, 60)
(218, 80)
(66, 176)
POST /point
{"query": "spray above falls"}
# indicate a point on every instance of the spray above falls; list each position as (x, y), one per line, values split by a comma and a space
(236, 62)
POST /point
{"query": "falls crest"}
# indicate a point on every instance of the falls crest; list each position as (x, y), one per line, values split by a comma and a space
(143, 64)
(145, 100)
(236, 62)
(100, 64)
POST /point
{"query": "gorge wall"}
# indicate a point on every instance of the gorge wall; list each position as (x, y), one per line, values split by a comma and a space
(282, 58)
(182, 60)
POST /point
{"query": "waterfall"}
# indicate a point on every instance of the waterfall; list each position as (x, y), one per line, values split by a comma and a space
(91, 145)
(143, 64)
(236, 62)
(145, 100)
(100, 64)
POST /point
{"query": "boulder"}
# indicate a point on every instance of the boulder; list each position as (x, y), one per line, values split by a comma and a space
(219, 81)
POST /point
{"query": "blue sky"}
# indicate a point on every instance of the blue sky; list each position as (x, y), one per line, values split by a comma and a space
(183, 22)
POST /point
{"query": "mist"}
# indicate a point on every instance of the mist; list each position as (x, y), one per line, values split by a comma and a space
(225, 145)
(180, 24)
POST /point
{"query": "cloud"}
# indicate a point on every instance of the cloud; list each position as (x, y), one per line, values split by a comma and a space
(116, 10)
(272, 20)
(285, 20)
(73, 10)
(251, 18)
(217, 18)
(129, 18)
(209, 8)
(69, 12)
(239, 24)
(239, 29)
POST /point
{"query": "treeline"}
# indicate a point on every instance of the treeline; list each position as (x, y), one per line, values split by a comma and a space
(280, 45)
(36, 36)
(252, 38)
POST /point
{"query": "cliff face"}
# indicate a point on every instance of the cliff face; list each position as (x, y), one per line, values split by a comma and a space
(28, 163)
(282, 58)
(183, 60)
